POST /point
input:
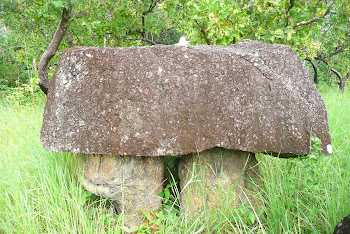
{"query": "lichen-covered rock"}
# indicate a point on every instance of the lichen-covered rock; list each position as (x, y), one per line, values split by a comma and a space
(132, 183)
(343, 227)
(172, 100)
(221, 102)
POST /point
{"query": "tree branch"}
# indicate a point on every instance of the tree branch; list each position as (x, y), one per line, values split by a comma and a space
(318, 2)
(337, 51)
(340, 48)
(83, 13)
(150, 9)
(291, 2)
(241, 6)
(320, 57)
(69, 39)
(316, 18)
(342, 80)
(347, 76)
(51, 50)
(137, 39)
(141, 39)
(203, 32)
(314, 66)
(18, 48)
(42, 33)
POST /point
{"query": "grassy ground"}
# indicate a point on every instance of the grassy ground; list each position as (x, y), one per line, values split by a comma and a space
(39, 190)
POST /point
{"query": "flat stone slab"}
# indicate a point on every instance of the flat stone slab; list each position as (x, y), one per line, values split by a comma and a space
(174, 100)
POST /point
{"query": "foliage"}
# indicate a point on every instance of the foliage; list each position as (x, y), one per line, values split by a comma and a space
(8, 75)
(308, 26)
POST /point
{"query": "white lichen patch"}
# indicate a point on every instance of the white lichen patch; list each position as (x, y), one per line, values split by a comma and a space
(329, 149)
(81, 123)
(160, 71)
(66, 81)
(124, 139)
(164, 151)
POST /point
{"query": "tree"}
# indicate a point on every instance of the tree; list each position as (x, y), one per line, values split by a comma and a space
(51, 50)
(93, 23)
(310, 27)
(335, 51)
(8, 66)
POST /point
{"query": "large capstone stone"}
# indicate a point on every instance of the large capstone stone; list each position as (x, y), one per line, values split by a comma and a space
(172, 100)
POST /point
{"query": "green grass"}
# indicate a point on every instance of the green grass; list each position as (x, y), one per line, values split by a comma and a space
(40, 193)
(38, 189)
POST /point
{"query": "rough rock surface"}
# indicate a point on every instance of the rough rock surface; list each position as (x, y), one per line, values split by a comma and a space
(173, 100)
(132, 183)
(343, 227)
(217, 178)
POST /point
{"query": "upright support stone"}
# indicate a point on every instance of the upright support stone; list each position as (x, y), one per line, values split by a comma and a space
(131, 182)
(216, 177)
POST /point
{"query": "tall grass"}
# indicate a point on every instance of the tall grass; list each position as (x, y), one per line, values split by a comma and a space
(40, 192)
(312, 197)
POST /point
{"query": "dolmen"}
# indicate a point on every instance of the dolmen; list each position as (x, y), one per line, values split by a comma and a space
(121, 110)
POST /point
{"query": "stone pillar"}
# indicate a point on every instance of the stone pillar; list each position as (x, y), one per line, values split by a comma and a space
(132, 183)
(216, 177)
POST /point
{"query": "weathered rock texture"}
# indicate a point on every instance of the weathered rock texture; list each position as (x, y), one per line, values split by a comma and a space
(343, 227)
(217, 178)
(172, 100)
(133, 183)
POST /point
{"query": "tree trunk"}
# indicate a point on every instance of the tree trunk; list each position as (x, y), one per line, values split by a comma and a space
(342, 80)
(314, 65)
(53, 47)
(19, 74)
(34, 65)
(342, 85)
(69, 39)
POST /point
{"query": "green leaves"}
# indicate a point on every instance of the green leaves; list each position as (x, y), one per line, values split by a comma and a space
(220, 22)
(85, 196)
(315, 148)
(57, 4)
(168, 199)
